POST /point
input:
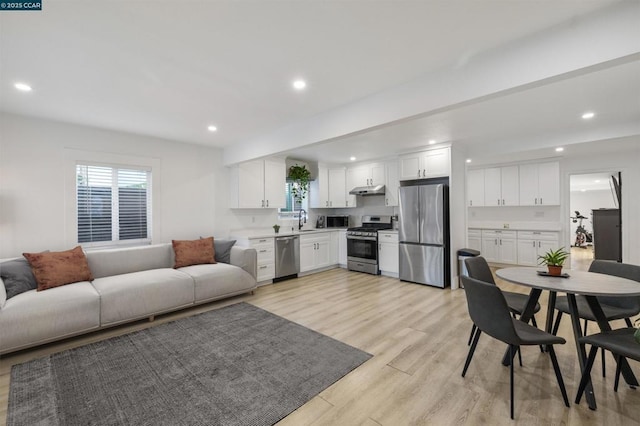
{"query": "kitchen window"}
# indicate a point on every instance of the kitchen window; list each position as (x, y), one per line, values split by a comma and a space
(113, 205)
(292, 206)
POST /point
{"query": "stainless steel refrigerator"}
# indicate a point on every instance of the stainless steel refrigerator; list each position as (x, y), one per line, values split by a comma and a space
(423, 234)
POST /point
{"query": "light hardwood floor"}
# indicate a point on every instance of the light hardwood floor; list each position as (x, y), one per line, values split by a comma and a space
(418, 336)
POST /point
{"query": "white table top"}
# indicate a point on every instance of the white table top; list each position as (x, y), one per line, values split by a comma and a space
(579, 282)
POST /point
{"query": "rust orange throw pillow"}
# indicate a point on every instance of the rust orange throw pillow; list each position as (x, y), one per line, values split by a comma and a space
(193, 252)
(56, 268)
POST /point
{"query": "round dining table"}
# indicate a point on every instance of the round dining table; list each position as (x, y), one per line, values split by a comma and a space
(588, 284)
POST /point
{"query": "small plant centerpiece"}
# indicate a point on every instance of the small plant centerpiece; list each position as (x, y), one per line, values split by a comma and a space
(300, 176)
(276, 228)
(554, 259)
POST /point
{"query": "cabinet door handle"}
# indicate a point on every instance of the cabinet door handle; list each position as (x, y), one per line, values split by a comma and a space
(503, 201)
(386, 201)
(424, 172)
(471, 202)
(346, 203)
(501, 241)
(498, 201)
(263, 241)
(263, 251)
(536, 202)
(418, 172)
(496, 241)
(262, 203)
(540, 200)
(263, 267)
(534, 243)
(539, 244)
(326, 204)
(267, 203)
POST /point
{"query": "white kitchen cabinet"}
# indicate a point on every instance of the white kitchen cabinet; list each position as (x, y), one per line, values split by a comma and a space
(426, 164)
(392, 183)
(329, 189)
(342, 248)
(475, 188)
(258, 184)
(539, 184)
(474, 239)
(266, 261)
(501, 186)
(334, 247)
(499, 246)
(315, 251)
(388, 253)
(369, 174)
(532, 244)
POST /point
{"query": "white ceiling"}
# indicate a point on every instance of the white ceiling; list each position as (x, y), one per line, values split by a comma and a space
(169, 69)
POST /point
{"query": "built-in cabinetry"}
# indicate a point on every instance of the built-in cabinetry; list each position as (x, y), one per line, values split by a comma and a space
(266, 257)
(425, 164)
(499, 246)
(532, 244)
(388, 254)
(329, 189)
(523, 185)
(512, 247)
(392, 183)
(366, 175)
(540, 184)
(315, 251)
(342, 248)
(258, 184)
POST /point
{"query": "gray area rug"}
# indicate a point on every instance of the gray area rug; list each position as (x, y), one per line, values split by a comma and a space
(238, 365)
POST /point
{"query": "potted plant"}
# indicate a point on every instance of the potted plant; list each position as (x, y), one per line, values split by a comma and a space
(554, 259)
(276, 228)
(300, 176)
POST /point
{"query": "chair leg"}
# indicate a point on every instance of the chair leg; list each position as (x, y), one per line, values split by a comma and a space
(556, 324)
(584, 331)
(473, 331)
(586, 374)
(556, 368)
(618, 368)
(628, 321)
(519, 356)
(511, 347)
(604, 366)
(471, 351)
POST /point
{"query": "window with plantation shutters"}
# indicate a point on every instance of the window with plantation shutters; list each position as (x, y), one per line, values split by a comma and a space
(113, 204)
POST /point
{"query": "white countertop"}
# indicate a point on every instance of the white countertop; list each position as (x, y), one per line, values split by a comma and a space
(517, 226)
(270, 233)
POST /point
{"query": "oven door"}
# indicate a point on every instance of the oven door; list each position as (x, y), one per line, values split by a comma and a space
(362, 249)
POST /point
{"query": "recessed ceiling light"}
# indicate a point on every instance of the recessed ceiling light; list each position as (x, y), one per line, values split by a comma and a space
(23, 87)
(468, 160)
(432, 142)
(597, 181)
(583, 190)
(212, 128)
(559, 149)
(588, 115)
(352, 158)
(299, 84)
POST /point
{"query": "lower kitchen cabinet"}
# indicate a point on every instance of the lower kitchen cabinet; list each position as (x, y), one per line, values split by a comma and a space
(499, 246)
(388, 254)
(315, 252)
(342, 248)
(474, 239)
(532, 244)
(266, 258)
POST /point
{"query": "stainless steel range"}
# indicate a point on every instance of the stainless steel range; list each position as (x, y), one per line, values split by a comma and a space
(362, 244)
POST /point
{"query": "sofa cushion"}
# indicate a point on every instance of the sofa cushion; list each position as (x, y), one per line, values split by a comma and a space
(193, 252)
(141, 294)
(105, 263)
(32, 317)
(17, 277)
(222, 250)
(219, 280)
(56, 268)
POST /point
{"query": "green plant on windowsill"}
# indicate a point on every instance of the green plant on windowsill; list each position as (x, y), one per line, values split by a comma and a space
(554, 259)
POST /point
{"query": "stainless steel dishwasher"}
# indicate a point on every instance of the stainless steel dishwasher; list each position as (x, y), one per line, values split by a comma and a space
(287, 257)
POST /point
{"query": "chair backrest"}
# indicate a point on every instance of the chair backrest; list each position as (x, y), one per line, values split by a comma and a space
(622, 270)
(489, 311)
(478, 268)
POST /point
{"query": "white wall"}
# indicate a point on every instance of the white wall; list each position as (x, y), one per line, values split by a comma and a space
(37, 205)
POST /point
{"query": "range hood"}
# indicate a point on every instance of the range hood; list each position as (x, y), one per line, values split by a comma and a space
(368, 190)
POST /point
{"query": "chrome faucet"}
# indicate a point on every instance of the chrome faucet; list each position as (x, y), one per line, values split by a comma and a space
(300, 223)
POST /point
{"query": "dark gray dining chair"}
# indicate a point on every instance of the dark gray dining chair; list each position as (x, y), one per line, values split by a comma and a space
(489, 312)
(614, 308)
(478, 268)
(620, 342)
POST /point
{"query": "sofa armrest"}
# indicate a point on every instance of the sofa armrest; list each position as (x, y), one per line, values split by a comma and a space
(3, 293)
(245, 258)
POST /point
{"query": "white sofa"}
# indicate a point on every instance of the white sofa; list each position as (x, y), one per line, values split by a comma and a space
(129, 284)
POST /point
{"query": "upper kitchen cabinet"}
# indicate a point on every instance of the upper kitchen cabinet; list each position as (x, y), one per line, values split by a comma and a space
(475, 188)
(540, 184)
(329, 190)
(501, 186)
(258, 184)
(426, 164)
(366, 175)
(392, 183)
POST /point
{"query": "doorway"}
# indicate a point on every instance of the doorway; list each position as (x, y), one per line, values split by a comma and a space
(595, 220)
